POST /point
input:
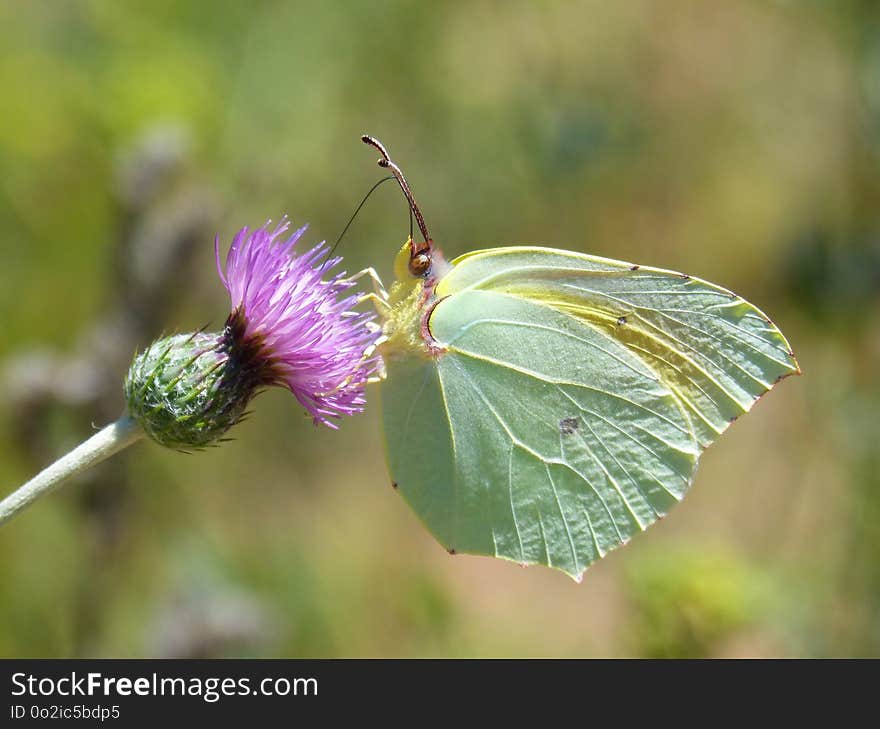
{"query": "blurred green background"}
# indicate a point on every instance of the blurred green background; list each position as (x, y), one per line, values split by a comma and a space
(736, 141)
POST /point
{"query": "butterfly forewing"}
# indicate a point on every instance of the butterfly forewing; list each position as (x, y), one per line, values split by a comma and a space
(714, 350)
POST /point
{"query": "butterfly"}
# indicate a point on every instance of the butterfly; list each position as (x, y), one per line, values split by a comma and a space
(543, 406)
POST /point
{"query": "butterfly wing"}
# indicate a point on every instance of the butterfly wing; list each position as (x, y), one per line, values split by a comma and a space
(570, 402)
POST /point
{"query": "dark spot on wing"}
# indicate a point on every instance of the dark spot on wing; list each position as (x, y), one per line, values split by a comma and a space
(621, 320)
(567, 426)
(685, 275)
(394, 484)
(634, 268)
(451, 550)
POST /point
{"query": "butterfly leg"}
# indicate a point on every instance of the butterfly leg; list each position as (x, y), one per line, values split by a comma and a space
(378, 286)
(374, 328)
(367, 354)
(380, 363)
(379, 296)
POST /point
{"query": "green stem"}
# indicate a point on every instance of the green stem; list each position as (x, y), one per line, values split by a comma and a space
(103, 444)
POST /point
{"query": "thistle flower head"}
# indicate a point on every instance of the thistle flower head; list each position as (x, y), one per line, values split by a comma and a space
(302, 324)
(289, 326)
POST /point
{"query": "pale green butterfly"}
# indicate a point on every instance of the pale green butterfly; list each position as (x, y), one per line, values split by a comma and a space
(543, 406)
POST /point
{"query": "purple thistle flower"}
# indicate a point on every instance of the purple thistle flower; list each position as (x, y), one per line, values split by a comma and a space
(301, 327)
(289, 326)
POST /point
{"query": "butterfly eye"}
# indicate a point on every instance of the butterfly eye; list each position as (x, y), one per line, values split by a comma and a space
(419, 264)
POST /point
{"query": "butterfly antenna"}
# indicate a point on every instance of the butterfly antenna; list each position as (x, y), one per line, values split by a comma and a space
(387, 163)
(354, 215)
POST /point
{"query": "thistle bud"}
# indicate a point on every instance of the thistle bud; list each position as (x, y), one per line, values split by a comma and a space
(187, 390)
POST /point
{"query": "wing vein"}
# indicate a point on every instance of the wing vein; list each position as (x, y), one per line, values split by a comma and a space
(564, 520)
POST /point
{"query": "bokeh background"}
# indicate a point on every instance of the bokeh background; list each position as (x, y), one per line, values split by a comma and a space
(736, 141)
